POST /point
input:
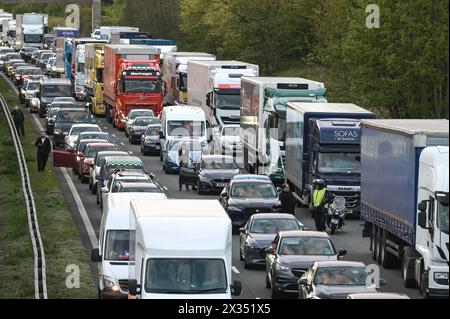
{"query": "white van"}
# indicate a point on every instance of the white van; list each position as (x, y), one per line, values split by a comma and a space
(183, 121)
(180, 249)
(112, 253)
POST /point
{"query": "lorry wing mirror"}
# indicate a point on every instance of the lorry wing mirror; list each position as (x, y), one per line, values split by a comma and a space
(422, 218)
(236, 288)
(95, 255)
(208, 99)
(133, 287)
(161, 135)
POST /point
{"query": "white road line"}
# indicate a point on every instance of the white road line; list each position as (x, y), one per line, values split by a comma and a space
(76, 197)
(81, 209)
(235, 270)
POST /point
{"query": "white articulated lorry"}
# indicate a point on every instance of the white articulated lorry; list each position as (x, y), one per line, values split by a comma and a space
(30, 30)
(180, 249)
(215, 86)
(404, 199)
(175, 74)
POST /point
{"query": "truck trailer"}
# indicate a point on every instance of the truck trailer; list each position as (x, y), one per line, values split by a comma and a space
(30, 30)
(263, 120)
(93, 83)
(132, 80)
(404, 199)
(323, 141)
(189, 240)
(215, 86)
(175, 74)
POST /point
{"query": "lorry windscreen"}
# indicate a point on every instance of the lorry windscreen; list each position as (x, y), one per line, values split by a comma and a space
(227, 101)
(137, 85)
(442, 219)
(56, 90)
(117, 245)
(186, 276)
(32, 38)
(339, 163)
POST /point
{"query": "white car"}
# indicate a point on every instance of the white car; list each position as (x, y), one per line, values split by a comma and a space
(75, 131)
(95, 169)
(230, 139)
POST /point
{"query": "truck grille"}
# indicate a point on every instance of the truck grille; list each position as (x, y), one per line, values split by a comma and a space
(229, 120)
(221, 180)
(352, 200)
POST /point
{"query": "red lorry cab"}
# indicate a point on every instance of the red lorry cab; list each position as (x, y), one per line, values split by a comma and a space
(132, 80)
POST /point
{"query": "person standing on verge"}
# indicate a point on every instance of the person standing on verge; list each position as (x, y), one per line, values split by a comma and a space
(44, 148)
(19, 120)
(321, 200)
(287, 200)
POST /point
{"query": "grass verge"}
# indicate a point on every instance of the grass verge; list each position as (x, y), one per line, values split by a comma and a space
(61, 239)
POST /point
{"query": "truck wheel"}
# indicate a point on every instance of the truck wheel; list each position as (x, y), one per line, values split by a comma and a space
(423, 287)
(374, 240)
(408, 278)
(387, 260)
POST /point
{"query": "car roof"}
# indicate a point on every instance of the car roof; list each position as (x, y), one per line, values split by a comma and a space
(251, 177)
(139, 185)
(217, 157)
(132, 174)
(126, 159)
(273, 216)
(112, 153)
(252, 181)
(340, 263)
(378, 295)
(93, 132)
(303, 233)
(146, 117)
(85, 125)
(91, 141)
(100, 144)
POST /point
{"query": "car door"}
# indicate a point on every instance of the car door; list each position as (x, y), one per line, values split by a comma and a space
(64, 159)
(192, 172)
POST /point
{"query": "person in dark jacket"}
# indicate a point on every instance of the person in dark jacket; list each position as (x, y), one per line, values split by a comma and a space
(44, 147)
(19, 120)
(287, 200)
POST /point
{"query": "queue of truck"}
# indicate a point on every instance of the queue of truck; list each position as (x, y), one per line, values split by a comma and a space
(392, 173)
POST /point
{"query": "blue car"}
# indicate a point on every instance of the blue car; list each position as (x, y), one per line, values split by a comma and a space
(171, 160)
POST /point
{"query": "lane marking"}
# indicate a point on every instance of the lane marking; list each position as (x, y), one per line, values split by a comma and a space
(81, 209)
(235, 270)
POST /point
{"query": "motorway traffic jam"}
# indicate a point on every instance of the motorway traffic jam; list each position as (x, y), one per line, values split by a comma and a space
(201, 174)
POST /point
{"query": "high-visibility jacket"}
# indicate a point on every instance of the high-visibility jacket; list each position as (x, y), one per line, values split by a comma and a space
(319, 198)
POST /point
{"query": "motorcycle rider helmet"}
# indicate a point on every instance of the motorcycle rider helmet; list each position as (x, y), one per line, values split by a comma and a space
(319, 183)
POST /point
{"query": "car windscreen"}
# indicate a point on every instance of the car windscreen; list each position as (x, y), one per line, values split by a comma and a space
(146, 121)
(94, 136)
(55, 90)
(220, 163)
(153, 131)
(253, 190)
(33, 86)
(117, 245)
(139, 190)
(101, 159)
(125, 164)
(72, 117)
(306, 246)
(186, 276)
(273, 226)
(92, 151)
(141, 86)
(342, 276)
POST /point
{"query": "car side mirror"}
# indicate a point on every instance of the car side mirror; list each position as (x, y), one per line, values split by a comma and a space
(95, 255)
(303, 282)
(279, 190)
(161, 135)
(224, 195)
(133, 287)
(342, 253)
(208, 99)
(105, 190)
(236, 288)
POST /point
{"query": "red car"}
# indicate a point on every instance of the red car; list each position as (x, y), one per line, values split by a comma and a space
(88, 156)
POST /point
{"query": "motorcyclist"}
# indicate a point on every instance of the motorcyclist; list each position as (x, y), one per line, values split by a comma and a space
(321, 200)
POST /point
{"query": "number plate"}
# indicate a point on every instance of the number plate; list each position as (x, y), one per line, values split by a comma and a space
(221, 184)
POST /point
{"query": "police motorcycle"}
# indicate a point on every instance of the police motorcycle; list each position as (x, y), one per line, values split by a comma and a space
(336, 214)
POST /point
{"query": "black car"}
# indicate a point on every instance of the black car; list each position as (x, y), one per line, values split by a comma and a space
(65, 118)
(211, 174)
(243, 198)
(291, 255)
(336, 280)
(49, 90)
(137, 129)
(259, 233)
(150, 141)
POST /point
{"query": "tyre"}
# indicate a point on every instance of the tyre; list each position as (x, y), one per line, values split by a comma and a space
(333, 230)
(387, 260)
(407, 281)
(90, 185)
(274, 294)
(199, 190)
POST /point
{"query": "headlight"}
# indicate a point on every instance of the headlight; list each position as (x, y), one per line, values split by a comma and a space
(58, 131)
(110, 283)
(282, 268)
(204, 179)
(440, 276)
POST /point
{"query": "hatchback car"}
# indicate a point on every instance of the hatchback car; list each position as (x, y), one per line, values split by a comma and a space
(259, 233)
(150, 142)
(211, 174)
(336, 280)
(291, 255)
(87, 159)
(243, 198)
(137, 129)
(75, 131)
